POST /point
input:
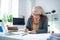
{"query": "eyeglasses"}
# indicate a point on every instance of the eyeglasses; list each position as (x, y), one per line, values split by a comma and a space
(36, 14)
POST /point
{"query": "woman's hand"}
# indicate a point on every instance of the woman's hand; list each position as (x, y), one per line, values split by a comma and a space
(25, 30)
(33, 32)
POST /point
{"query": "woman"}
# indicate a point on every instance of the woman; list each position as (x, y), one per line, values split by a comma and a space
(37, 23)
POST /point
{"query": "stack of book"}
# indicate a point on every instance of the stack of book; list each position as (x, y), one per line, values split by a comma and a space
(12, 28)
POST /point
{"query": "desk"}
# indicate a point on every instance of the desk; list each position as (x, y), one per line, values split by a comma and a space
(25, 37)
(36, 36)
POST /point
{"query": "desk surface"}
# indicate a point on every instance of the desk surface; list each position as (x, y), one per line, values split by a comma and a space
(36, 36)
(27, 37)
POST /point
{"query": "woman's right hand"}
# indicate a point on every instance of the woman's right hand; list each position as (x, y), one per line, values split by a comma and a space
(25, 30)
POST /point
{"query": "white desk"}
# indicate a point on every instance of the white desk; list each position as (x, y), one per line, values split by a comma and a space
(36, 36)
(26, 37)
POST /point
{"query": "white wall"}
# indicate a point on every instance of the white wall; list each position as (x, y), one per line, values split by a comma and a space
(15, 7)
(9, 6)
(49, 5)
(22, 7)
(4, 7)
(0, 6)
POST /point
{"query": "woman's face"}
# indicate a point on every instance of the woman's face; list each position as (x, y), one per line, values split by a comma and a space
(37, 11)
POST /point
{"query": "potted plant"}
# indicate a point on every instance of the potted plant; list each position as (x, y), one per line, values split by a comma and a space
(8, 18)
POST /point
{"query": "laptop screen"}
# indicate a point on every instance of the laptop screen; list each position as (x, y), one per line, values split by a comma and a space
(18, 21)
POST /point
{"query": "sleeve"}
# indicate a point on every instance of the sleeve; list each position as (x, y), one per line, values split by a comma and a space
(28, 24)
(45, 26)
